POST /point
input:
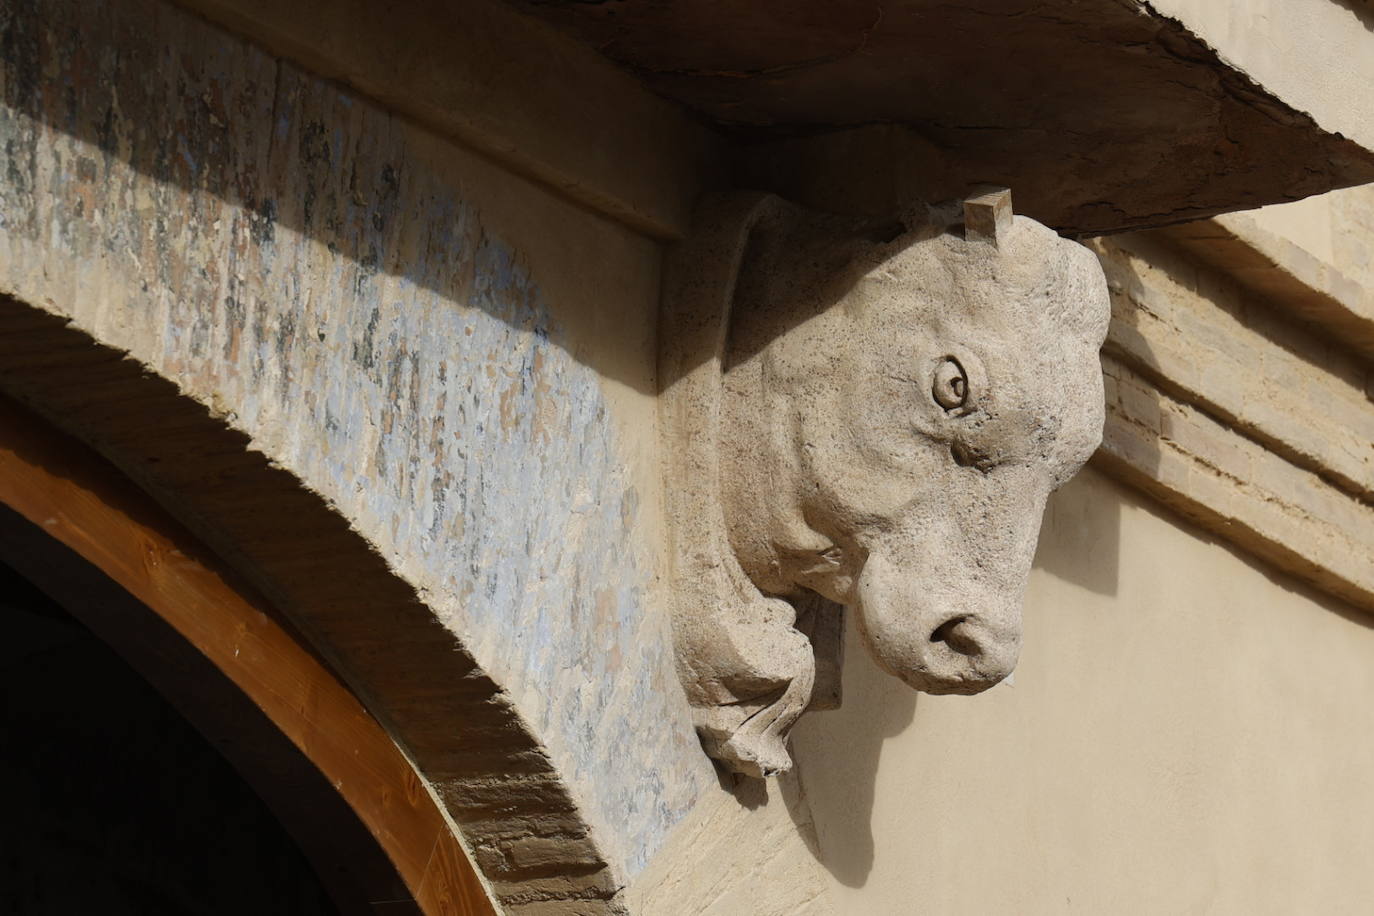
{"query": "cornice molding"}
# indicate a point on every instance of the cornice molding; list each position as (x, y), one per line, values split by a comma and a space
(1234, 408)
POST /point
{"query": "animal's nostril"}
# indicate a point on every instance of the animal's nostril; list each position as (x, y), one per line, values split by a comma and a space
(954, 634)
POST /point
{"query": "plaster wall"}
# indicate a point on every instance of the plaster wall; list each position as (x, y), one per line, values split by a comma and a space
(1186, 733)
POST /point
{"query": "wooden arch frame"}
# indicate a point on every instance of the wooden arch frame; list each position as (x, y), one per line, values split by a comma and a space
(70, 497)
(293, 554)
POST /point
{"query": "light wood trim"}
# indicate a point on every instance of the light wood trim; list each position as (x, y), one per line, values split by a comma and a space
(100, 515)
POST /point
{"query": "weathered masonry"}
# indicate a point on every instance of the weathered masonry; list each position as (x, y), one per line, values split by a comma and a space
(562, 453)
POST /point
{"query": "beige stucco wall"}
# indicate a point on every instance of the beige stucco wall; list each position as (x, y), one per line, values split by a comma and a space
(1185, 734)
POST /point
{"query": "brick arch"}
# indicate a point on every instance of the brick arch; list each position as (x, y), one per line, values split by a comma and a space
(469, 751)
(220, 654)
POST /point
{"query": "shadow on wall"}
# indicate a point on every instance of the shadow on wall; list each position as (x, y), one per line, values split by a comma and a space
(210, 114)
(837, 754)
(1093, 533)
(1362, 10)
(1188, 799)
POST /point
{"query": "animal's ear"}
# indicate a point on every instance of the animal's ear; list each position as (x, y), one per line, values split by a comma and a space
(987, 214)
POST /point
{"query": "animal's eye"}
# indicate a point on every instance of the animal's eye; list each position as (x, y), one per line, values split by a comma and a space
(949, 388)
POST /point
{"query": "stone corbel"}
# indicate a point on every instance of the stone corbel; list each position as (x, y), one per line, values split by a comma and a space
(869, 419)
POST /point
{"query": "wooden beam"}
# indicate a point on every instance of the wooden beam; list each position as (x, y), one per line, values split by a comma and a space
(77, 499)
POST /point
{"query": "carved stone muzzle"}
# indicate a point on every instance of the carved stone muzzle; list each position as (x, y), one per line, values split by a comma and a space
(936, 636)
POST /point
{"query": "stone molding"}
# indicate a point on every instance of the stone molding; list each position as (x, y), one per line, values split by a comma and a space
(1119, 115)
(455, 723)
(1229, 400)
(1275, 268)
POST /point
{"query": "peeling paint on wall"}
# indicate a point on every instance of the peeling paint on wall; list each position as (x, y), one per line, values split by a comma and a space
(278, 249)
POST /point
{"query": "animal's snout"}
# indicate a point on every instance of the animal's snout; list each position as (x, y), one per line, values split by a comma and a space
(967, 655)
(937, 637)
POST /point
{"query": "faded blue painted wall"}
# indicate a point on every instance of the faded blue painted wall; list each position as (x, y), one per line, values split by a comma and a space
(328, 279)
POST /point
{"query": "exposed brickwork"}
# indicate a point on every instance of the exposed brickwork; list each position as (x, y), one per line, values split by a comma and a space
(1236, 487)
(1239, 381)
(1353, 211)
(1338, 298)
(1213, 343)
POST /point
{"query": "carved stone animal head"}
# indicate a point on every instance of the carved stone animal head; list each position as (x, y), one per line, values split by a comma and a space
(892, 417)
(892, 449)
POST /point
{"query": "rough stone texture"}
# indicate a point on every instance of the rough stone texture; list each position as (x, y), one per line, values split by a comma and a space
(1236, 488)
(1350, 227)
(1224, 404)
(1332, 229)
(1103, 114)
(874, 420)
(323, 279)
(120, 170)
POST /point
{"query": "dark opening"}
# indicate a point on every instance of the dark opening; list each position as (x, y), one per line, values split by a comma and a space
(114, 803)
